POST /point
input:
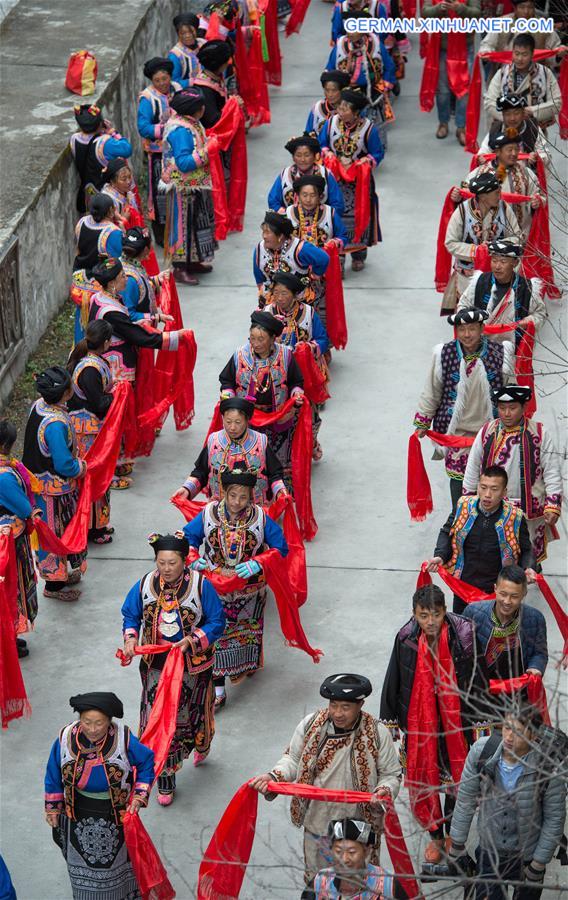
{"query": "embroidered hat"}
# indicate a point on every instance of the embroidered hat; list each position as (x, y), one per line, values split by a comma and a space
(511, 136)
(484, 184)
(238, 476)
(348, 687)
(512, 393)
(168, 542)
(351, 830)
(106, 270)
(136, 240)
(465, 316)
(511, 101)
(267, 321)
(88, 117)
(188, 101)
(504, 248)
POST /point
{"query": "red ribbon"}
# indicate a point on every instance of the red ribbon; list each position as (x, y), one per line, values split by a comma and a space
(297, 16)
(225, 860)
(272, 66)
(334, 300)
(418, 490)
(535, 690)
(556, 610)
(523, 357)
(563, 85)
(315, 380)
(229, 205)
(175, 375)
(250, 77)
(504, 57)
(361, 175)
(101, 462)
(148, 868)
(14, 702)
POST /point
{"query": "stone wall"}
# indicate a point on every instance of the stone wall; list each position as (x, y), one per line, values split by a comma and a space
(45, 228)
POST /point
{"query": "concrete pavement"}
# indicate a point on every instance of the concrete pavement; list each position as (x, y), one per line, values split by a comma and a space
(362, 565)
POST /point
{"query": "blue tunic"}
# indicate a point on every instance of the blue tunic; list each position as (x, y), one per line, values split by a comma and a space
(13, 497)
(276, 199)
(338, 26)
(64, 462)
(308, 256)
(389, 69)
(182, 144)
(139, 756)
(273, 534)
(374, 144)
(191, 60)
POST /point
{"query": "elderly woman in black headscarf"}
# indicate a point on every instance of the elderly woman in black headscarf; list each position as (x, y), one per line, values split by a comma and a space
(190, 231)
(153, 113)
(265, 372)
(89, 785)
(50, 452)
(119, 185)
(173, 604)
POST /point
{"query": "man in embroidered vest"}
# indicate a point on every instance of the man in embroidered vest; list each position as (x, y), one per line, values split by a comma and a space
(456, 398)
(434, 646)
(352, 875)
(529, 79)
(486, 533)
(341, 748)
(512, 635)
(505, 294)
(526, 451)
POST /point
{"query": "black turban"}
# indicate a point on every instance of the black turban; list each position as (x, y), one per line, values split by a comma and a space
(136, 240)
(511, 136)
(511, 101)
(340, 78)
(169, 542)
(100, 205)
(158, 64)
(465, 316)
(238, 403)
(500, 247)
(186, 19)
(289, 280)
(238, 476)
(354, 98)
(188, 101)
(484, 184)
(114, 166)
(52, 383)
(317, 181)
(105, 701)
(303, 140)
(278, 223)
(88, 117)
(512, 393)
(106, 270)
(347, 687)
(268, 322)
(214, 54)
(351, 830)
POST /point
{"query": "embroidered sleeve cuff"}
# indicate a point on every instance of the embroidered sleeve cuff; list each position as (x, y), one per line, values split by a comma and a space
(277, 775)
(227, 392)
(170, 340)
(158, 131)
(421, 421)
(142, 792)
(130, 633)
(297, 392)
(277, 486)
(553, 503)
(54, 803)
(193, 486)
(200, 635)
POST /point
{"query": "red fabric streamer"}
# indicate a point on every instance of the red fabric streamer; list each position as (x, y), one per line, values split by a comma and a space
(213, 32)
(176, 377)
(563, 85)
(536, 692)
(315, 380)
(334, 299)
(556, 610)
(14, 702)
(435, 698)
(101, 462)
(274, 569)
(295, 561)
(297, 16)
(273, 66)
(360, 173)
(456, 67)
(229, 205)
(523, 359)
(183, 404)
(225, 860)
(148, 868)
(250, 77)
(418, 491)
(536, 260)
(503, 57)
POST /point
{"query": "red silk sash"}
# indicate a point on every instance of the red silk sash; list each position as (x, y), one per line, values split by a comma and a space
(418, 490)
(14, 702)
(250, 77)
(225, 860)
(361, 175)
(504, 57)
(174, 371)
(456, 67)
(334, 299)
(148, 868)
(535, 691)
(101, 461)
(523, 357)
(435, 697)
(315, 381)
(297, 16)
(295, 561)
(229, 205)
(272, 65)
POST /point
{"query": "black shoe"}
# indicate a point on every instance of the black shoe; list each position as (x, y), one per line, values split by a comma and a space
(20, 642)
(23, 652)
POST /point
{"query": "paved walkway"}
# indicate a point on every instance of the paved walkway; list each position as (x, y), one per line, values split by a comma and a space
(362, 565)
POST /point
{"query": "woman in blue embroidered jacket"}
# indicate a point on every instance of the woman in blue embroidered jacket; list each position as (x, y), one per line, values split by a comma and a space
(233, 531)
(333, 83)
(50, 452)
(93, 147)
(173, 604)
(266, 373)
(184, 53)
(140, 294)
(190, 218)
(305, 150)
(17, 507)
(153, 113)
(280, 251)
(89, 785)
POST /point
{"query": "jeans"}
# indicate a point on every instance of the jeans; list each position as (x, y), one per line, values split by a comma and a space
(507, 867)
(443, 93)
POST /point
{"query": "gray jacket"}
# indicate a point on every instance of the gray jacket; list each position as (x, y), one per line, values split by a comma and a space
(528, 822)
